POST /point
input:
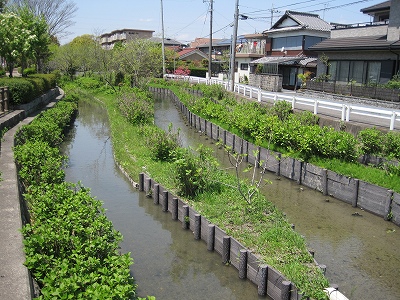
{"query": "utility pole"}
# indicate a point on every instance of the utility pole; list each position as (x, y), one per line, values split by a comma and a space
(210, 44)
(233, 47)
(162, 39)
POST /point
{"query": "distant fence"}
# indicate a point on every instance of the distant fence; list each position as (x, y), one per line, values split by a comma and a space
(375, 199)
(4, 99)
(374, 92)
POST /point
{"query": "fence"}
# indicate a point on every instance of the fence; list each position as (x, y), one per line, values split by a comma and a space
(4, 99)
(346, 111)
(356, 90)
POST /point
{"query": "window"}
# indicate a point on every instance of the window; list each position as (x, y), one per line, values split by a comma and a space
(311, 41)
(359, 71)
(244, 67)
(290, 43)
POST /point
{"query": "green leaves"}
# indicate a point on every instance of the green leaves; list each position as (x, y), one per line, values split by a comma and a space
(71, 247)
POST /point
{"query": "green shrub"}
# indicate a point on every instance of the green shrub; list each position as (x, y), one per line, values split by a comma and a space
(282, 109)
(21, 90)
(391, 144)
(29, 71)
(161, 144)
(195, 171)
(49, 80)
(198, 72)
(39, 163)
(137, 107)
(371, 141)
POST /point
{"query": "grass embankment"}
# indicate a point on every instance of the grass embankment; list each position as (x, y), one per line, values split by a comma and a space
(259, 225)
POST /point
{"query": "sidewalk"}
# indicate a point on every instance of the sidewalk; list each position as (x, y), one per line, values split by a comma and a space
(15, 280)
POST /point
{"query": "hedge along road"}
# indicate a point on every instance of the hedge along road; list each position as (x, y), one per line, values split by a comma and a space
(359, 249)
(168, 262)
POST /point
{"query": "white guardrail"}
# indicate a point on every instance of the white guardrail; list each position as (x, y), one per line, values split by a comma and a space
(346, 110)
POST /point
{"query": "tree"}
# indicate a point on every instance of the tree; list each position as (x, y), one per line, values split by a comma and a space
(140, 59)
(58, 13)
(39, 28)
(16, 40)
(3, 4)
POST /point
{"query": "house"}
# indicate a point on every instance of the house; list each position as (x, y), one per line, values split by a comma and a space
(365, 53)
(288, 50)
(108, 40)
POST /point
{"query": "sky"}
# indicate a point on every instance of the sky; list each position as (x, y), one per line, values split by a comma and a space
(185, 20)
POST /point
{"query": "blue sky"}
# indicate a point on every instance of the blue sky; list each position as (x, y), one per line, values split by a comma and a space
(184, 20)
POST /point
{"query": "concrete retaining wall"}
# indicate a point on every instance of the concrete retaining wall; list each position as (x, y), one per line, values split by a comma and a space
(268, 280)
(373, 198)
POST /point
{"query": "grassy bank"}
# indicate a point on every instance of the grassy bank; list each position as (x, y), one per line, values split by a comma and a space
(258, 225)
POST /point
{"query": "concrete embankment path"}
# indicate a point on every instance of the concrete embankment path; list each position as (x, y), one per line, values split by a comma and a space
(15, 281)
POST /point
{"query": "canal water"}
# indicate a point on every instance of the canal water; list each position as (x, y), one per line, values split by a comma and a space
(168, 262)
(360, 251)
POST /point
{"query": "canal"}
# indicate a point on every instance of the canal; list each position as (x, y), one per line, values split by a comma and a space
(359, 249)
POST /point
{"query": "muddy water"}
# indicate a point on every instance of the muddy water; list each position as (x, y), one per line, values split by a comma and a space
(361, 252)
(168, 262)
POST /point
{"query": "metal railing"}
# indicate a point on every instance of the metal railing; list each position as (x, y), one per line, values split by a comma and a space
(347, 111)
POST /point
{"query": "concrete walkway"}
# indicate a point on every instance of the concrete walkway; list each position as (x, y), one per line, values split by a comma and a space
(15, 281)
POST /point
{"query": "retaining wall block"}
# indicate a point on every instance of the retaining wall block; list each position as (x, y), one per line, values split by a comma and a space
(215, 132)
(290, 168)
(235, 252)
(229, 139)
(396, 209)
(204, 229)
(251, 149)
(341, 187)
(192, 213)
(239, 145)
(373, 198)
(208, 129)
(253, 262)
(312, 177)
(181, 213)
(270, 158)
(219, 235)
(274, 283)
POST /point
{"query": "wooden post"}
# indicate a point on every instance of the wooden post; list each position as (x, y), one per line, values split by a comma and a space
(355, 198)
(165, 201)
(285, 294)
(156, 194)
(226, 249)
(197, 227)
(174, 210)
(211, 237)
(262, 275)
(141, 182)
(243, 264)
(324, 182)
(185, 221)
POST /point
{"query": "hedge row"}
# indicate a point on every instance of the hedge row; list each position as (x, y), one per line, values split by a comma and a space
(25, 89)
(71, 246)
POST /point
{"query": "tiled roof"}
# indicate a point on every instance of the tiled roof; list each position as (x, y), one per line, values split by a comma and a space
(285, 60)
(356, 43)
(303, 20)
(378, 7)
